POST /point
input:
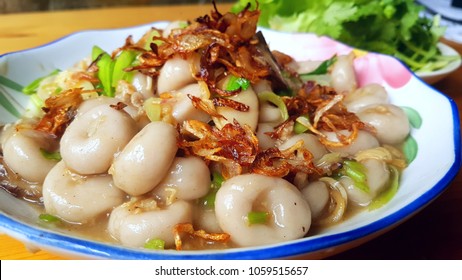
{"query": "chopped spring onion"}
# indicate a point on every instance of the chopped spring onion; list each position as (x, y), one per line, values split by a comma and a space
(217, 180)
(48, 218)
(357, 172)
(268, 96)
(153, 109)
(299, 127)
(155, 244)
(154, 33)
(384, 197)
(50, 155)
(302, 124)
(257, 217)
(208, 201)
(322, 69)
(235, 83)
(33, 87)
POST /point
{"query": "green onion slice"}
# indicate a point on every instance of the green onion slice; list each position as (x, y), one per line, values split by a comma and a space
(208, 201)
(257, 217)
(357, 172)
(385, 196)
(155, 244)
(50, 155)
(323, 68)
(217, 180)
(268, 96)
(48, 218)
(154, 33)
(302, 124)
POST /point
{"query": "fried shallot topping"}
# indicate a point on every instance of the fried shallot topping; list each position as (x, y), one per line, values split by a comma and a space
(322, 106)
(59, 111)
(189, 229)
(225, 43)
(222, 45)
(279, 163)
(234, 146)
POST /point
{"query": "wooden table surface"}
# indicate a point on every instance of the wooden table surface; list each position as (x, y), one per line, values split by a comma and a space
(434, 233)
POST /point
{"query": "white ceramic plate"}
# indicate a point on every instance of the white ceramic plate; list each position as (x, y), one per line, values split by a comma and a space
(436, 164)
(438, 75)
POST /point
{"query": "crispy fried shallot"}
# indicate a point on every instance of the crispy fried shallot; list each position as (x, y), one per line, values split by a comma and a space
(226, 43)
(234, 146)
(189, 229)
(59, 111)
(323, 107)
(279, 163)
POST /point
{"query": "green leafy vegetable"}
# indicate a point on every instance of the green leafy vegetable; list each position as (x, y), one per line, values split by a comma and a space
(257, 217)
(393, 27)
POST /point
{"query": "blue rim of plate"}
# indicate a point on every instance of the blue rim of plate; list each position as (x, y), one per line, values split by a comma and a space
(44, 238)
